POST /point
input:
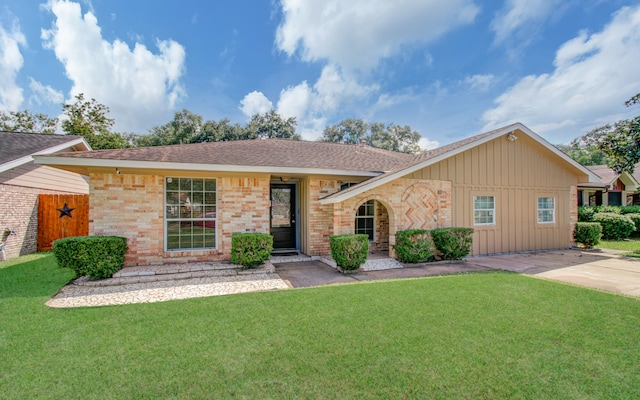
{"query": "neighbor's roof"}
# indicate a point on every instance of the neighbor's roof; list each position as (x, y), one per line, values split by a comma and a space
(18, 148)
(608, 176)
(265, 155)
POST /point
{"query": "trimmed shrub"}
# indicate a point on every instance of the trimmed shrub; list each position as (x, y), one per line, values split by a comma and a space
(588, 233)
(99, 257)
(607, 209)
(349, 251)
(636, 220)
(586, 213)
(453, 243)
(629, 210)
(414, 245)
(614, 226)
(250, 249)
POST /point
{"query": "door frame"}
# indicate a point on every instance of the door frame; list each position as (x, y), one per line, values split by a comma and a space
(296, 211)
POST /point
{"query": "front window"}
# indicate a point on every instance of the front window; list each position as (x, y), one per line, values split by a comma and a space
(546, 210)
(484, 210)
(365, 219)
(190, 213)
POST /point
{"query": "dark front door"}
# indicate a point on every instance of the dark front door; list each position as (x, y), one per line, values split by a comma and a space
(283, 216)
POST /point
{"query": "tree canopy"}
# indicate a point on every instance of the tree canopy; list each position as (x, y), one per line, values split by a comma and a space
(620, 141)
(88, 118)
(24, 121)
(389, 137)
(187, 127)
(583, 152)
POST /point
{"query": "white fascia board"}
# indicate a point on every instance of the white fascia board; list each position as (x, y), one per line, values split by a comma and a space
(27, 159)
(64, 146)
(15, 163)
(363, 187)
(101, 163)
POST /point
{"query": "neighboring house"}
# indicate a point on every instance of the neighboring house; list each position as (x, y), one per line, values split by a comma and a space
(21, 181)
(182, 203)
(610, 189)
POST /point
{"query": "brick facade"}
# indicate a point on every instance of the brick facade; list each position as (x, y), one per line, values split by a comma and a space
(402, 214)
(132, 206)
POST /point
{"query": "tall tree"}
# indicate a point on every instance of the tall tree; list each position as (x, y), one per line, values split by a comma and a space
(584, 153)
(221, 131)
(88, 118)
(349, 131)
(271, 125)
(24, 121)
(184, 126)
(395, 138)
(389, 137)
(620, 141)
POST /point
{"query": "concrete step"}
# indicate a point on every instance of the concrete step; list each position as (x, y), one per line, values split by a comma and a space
(171, 272)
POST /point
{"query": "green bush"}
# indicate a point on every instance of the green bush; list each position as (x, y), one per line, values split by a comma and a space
(607, 209)
(588, 233)
(636, 220)
(614, 226)
(586, 213)
(414, 245)
(453, 243)
(98, 257)
(250, 249)
(629, 210)
(349, 251)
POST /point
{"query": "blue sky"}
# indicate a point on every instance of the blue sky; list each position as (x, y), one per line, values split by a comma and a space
(447, 68)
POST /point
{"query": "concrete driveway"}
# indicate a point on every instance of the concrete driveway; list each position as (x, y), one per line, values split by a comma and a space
(596, 269)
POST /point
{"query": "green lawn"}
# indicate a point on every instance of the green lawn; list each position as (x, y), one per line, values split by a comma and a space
(476, 336)
(632, 245)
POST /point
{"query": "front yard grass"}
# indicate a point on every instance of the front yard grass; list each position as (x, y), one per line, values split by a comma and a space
(480, 336)
(631, 245)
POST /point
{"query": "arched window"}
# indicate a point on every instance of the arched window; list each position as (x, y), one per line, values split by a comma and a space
(365, 218)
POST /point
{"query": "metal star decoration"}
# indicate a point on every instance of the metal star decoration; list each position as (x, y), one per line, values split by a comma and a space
(65, 211)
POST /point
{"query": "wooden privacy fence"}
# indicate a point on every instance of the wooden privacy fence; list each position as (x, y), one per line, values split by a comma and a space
(60, 216)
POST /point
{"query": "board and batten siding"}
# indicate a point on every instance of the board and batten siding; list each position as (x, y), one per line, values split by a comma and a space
(45, 178)
(516, 174)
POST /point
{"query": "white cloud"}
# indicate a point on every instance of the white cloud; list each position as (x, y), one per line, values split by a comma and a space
(479, 82)
(357, 34)
(311, 105)
(294, 101)
(594, 74)
(427, 144)
(141, 88)
(255, 103)
(11, 62)
(44, 93)
(520, 18)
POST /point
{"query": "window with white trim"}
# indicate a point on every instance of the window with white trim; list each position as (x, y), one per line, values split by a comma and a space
(484, 210)
(190, 213)
(365, 219)
(546, 210)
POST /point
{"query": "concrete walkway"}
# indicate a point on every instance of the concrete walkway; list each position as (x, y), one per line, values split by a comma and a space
(600, 270)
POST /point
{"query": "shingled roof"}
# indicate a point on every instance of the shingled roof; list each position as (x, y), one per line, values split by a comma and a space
(276, 153)
(18, 147)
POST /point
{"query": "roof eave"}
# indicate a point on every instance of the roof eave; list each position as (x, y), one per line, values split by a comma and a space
(161, 165)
